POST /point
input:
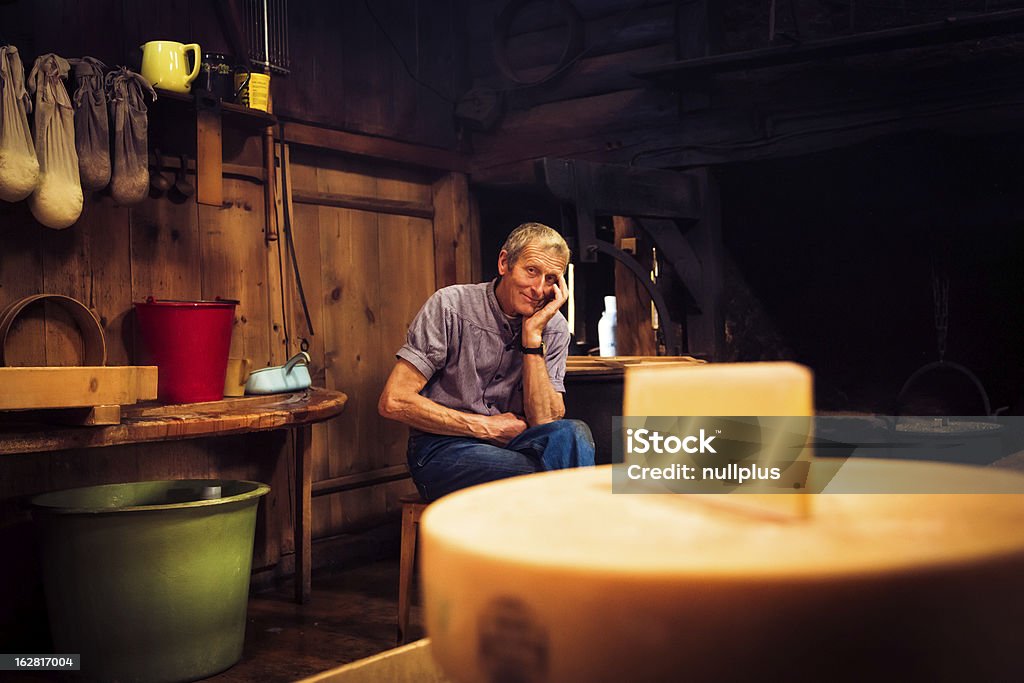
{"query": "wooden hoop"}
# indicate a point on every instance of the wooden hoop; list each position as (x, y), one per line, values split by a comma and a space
(92, 333)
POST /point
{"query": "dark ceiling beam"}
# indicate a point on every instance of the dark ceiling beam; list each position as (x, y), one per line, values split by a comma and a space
(951, 30)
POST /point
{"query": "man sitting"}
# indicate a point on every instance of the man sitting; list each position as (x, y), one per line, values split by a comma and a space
(481, 375)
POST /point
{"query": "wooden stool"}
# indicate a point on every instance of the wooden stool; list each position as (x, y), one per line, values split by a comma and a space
(412, 510)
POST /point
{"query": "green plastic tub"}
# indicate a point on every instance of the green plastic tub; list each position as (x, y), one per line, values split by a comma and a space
(149, 581)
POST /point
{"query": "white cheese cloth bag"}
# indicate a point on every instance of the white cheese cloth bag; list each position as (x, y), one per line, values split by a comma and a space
(92, 132)
(19, 168)
(57, 201)
(130, 181)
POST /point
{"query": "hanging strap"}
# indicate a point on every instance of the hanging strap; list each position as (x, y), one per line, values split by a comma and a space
(286, 191)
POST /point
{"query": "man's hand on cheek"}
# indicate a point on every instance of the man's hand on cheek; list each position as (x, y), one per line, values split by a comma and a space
(554, 300)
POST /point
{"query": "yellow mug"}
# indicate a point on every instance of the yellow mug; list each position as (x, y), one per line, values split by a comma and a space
(256, 93)
(236, 377)
(165, 66)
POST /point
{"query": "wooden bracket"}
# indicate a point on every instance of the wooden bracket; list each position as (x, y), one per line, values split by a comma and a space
(670, 204)
(209, 150)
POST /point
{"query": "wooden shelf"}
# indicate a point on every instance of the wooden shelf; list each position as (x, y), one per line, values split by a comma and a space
(147, 422)
(233, 114)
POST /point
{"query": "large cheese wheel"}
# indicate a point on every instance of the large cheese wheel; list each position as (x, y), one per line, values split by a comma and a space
(553, 578)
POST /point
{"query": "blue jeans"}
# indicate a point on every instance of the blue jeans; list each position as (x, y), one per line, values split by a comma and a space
(442, 464)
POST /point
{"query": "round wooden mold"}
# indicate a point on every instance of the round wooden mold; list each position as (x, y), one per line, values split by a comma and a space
(94, 342)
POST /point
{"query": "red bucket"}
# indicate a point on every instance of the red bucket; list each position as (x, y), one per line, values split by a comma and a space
(189, 341)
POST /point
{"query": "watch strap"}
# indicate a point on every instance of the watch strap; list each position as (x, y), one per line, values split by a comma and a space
(537, 350)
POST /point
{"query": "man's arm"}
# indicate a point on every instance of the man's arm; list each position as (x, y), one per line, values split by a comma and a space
(541, 403)
(401, 401)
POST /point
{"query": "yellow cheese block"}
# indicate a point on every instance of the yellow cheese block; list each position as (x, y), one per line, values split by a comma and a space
(552, 578)
(719, 389)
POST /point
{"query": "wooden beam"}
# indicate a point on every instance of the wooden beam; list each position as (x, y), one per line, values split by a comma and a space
(28, 388)
(591, 75)
(951, 30)
(375, 147)
(348, 482)
(623, 190)
(209, 158)
(736, 134)
(345, 201)
(627, 28)
(634, 334)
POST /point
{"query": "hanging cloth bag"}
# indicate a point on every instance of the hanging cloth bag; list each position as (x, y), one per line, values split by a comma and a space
(129, 183)
(57, 201)
(92, 134)
(19, 168)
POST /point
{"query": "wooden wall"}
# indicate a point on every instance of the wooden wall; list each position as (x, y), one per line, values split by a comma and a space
(366, 272)
(345, 72)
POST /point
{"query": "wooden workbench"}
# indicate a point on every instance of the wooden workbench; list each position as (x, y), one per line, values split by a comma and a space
(149, 422)
(593, 392)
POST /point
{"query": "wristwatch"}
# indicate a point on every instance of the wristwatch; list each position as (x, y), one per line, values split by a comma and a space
(536, 350)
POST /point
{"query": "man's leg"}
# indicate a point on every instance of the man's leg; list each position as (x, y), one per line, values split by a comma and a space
(442, 464)
(558, 445)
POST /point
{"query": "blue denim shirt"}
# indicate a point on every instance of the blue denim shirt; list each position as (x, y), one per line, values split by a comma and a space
(468, 350)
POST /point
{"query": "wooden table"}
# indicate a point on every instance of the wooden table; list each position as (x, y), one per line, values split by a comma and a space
(149, 422)
(593, 392)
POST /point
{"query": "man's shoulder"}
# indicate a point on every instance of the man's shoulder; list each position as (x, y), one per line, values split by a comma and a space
(558, 324)
(462, 291)
(460, 298)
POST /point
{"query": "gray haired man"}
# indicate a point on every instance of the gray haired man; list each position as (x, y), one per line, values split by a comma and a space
(481, 375)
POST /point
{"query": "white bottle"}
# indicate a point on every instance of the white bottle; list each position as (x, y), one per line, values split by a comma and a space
(606, 328)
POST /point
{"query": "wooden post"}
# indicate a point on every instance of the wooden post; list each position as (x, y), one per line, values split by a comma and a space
(706, 332)
(209, 158)
(634, 334)
(453, 241)
(303, 513)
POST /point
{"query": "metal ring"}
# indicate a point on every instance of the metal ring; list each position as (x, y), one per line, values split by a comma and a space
(503, 24)
(945, 364)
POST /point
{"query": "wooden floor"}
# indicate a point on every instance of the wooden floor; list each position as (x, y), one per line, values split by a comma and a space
(351, 615)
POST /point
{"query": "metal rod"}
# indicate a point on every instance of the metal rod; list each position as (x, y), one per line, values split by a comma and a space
(266, 35)
(276, 42)
(251, 21)
(282, 27)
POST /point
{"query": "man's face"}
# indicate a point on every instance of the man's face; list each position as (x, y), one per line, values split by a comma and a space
(529, 284)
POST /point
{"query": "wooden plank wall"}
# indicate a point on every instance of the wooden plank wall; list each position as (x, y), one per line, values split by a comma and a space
(347, 70)
(365, 273)
(370, 271)
(399, 74)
